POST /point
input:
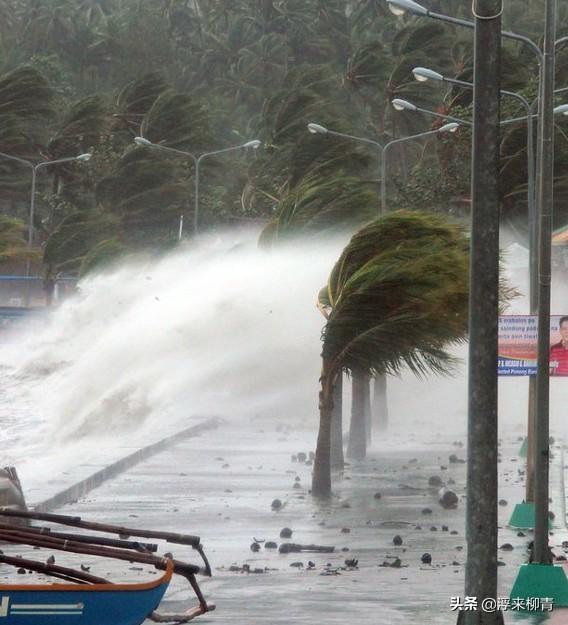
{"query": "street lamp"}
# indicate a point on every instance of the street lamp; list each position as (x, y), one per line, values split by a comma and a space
(423, 74)
(142, 142)
(405, 105)
(383, 149)
(451, 127)
(380, 380)
(545, 194)
(81, 158)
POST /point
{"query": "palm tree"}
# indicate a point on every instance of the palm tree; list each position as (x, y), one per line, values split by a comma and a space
(398, 297)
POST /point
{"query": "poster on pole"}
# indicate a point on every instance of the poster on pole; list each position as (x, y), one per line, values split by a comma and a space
(518, 345)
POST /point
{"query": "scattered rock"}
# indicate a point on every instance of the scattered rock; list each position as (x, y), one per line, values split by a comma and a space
(377, 496)
(302, 457)
(297, 565)
(50, 560)
(297, 485)
(560, 558)
(501, 563)
(521, 534)
(21, 571)
(445, 528)
(454, 532)
(426, 511)
(270, 545)
(433, 528)
(426, 558)
(447, 498)
(346, 504)
(285, 532)
(503, 502)
(255, 547)
(397, 540)
(435, 481)
(345, 530)
(506, 547)
(276, 504)
(297, 479)
(453, 459)
(352, 563)
(455, 563)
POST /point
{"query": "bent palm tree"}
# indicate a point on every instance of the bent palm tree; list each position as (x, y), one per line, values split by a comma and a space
(398, 296)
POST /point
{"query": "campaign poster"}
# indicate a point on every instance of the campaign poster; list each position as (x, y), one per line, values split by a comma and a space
(518, 345)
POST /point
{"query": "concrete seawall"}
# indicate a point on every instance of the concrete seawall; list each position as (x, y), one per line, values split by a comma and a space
(86, 485)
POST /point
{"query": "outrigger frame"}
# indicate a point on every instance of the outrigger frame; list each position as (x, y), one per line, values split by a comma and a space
(120, 549)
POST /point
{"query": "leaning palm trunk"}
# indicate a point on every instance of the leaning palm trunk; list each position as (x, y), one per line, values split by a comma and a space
(321, 477)
(337, 460)
(380, 406)
(357, 447)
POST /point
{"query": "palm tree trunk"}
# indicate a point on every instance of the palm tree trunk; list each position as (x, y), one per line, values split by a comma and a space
(337, 460)
(380, 404)
(368, 413)
(357, 447)
(321, 476)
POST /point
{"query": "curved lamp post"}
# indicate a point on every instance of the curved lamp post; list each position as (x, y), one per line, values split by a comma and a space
(544, 203)
(81, 158)
(141, 141)
(380, 381)
(383, 149)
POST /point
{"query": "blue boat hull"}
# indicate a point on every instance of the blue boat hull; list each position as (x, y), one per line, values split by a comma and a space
(74, 604)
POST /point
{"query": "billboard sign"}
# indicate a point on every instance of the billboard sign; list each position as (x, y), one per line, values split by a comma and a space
(518, 345)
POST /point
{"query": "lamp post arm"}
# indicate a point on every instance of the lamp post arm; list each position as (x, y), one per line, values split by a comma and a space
(215, 152)
(354, 138)
(17, 159)
(442, 116)
(68, 159)
(384, 162)
(507, 34)
(164, 148)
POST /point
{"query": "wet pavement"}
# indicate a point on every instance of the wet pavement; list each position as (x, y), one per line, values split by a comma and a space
(221, 486)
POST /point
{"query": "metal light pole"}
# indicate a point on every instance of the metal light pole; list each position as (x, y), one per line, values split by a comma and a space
(380, 406)
(141, 141)
(545, 177)
(318, 129)
(481, 520)
(422, 74)
(451, 127)
(34, 169)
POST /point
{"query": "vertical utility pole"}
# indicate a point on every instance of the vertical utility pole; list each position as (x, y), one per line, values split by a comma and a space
(481, 524)
(545, 205)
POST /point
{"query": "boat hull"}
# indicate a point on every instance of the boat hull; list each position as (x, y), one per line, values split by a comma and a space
(81, 604)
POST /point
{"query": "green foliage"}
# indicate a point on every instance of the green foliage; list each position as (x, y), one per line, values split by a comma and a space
(101, 255)
(209, 74)
(12, 241)
(398, 296)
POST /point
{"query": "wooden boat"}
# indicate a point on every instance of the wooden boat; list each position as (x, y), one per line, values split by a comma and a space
(85, 599)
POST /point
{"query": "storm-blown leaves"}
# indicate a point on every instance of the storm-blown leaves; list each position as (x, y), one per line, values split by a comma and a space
(398, 296)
